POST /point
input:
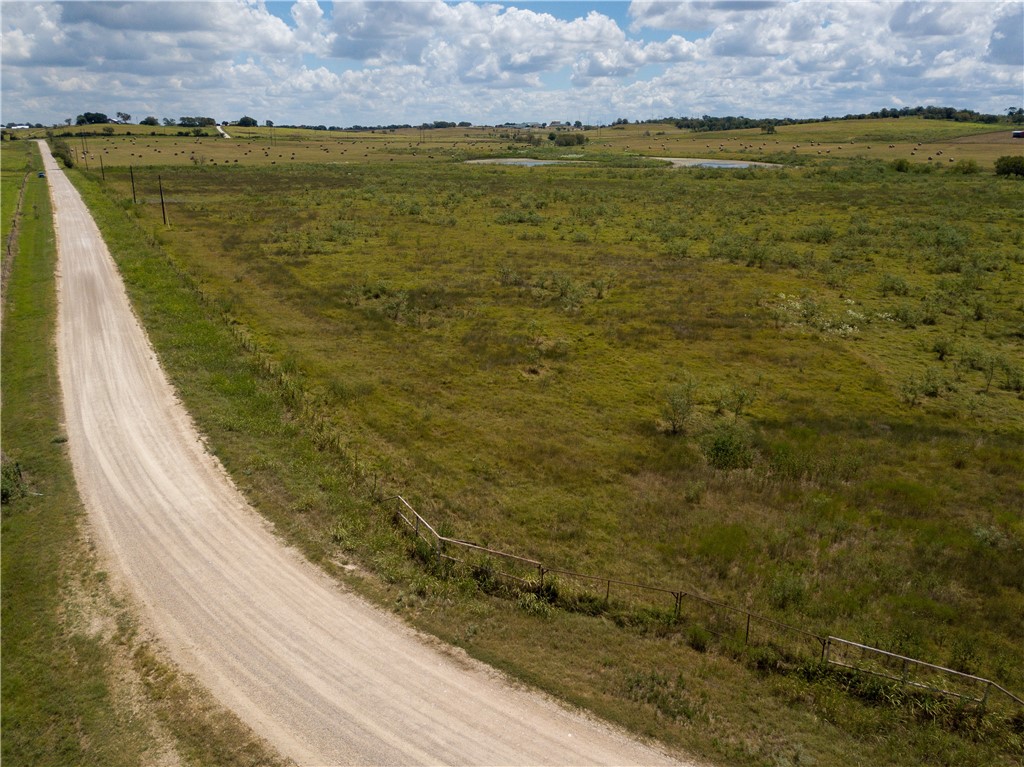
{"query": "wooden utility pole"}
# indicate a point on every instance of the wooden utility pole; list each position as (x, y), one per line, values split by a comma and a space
(163, 209)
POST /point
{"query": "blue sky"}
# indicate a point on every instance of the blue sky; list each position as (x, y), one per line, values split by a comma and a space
(410, 61)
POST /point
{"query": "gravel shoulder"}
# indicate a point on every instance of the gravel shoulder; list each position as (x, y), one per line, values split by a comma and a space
(322, 675)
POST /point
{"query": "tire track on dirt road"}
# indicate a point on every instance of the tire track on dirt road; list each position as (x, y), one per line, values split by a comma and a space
(323, 676)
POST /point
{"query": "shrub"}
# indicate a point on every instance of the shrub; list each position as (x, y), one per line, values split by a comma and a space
(570, 139)
(508, 276)
(1013, 376)
(786, 590)
(533, 605)
(910, 390)
(678, 406)
(698, 638)
(737, 247)
(967, 167)
(12, 486)
(942, 347)
(894, 284)
(519, 217)
(63, 152)
(821, 233)
(907, 316)
(728, 446)
(1010, 165)
(735, 399)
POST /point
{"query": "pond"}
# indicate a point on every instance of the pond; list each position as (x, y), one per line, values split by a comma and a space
(527, 162)
(701, 162)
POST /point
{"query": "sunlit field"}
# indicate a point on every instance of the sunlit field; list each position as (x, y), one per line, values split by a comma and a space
(796, 390)
(934, 142)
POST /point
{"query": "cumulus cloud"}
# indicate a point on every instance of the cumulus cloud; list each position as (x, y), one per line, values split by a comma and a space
(375, 62)
(1006, 44)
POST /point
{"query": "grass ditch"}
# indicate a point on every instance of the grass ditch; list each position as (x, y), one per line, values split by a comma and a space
(82, 684)
(814, 490)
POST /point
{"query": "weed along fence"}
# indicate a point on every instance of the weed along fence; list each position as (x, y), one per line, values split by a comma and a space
(634, 602)
(912, 673)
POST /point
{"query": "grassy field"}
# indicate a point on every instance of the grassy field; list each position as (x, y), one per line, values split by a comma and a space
(934, 143)
(794, 390)
(82, 683)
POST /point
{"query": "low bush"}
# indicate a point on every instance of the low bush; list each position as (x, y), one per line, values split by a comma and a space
(728, 446)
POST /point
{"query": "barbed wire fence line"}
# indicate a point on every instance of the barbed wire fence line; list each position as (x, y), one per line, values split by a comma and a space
(597, 593)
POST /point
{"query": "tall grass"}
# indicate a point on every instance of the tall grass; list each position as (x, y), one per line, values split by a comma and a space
(513, 387)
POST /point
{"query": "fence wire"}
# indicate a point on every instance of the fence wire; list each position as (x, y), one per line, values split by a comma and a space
(599, 594)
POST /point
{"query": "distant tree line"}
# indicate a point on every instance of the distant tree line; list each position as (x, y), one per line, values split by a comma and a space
(1014, 115)
(195, 122)
(708, 123)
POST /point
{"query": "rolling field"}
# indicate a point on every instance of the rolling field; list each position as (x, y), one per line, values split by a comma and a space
(924, 142)
(798, 391)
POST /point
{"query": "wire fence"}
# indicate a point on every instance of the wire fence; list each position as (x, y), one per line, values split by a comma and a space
(595, 593)
(913, 673)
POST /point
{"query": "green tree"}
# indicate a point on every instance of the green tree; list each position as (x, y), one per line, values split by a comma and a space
(247, 122)
(196, 122)
(91, 118)
(149, 121)
(1010, 165)
(63, 152)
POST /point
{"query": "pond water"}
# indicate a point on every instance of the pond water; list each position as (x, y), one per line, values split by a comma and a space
(720, 164)
(701, 162)
(527, 162)
(678, 162)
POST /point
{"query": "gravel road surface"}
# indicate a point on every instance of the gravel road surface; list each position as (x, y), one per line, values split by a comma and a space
(325, 677)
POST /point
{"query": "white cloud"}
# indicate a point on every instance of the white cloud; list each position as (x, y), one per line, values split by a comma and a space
(1006, 45)
(383, 62)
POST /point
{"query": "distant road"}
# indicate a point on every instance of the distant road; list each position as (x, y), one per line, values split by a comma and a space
(325, 677)
(220, 130)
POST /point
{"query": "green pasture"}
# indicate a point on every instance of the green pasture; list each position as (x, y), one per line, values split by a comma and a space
(935, 143)
(794, 390)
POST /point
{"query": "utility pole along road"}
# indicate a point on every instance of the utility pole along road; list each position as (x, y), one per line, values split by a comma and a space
(326, 678)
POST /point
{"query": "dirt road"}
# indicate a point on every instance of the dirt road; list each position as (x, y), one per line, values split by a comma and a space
(326, 678)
